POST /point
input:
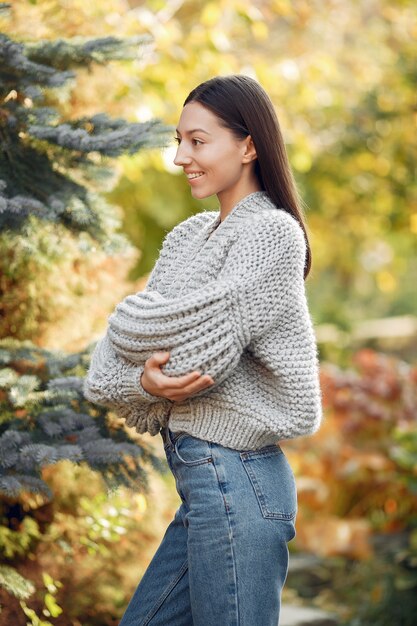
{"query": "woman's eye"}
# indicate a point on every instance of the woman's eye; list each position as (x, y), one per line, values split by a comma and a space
(196, 141)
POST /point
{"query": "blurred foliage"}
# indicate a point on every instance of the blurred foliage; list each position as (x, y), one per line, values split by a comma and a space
(347, 123)
(94, 545)
(51, 608)
(48, 277)
(45, 424)
(380, 591)
(357, 475)
(357, 490)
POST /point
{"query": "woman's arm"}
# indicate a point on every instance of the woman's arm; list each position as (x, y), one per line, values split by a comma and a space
(113, 381)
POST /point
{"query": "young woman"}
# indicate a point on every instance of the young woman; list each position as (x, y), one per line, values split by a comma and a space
(218, 354)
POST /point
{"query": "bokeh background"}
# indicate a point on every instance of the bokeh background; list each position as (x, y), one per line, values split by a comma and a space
(79, 523)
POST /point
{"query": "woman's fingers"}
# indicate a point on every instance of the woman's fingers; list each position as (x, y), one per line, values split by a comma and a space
(175, 388)
(157, 359)
(188, 390)
(201, 383)
(179, 382)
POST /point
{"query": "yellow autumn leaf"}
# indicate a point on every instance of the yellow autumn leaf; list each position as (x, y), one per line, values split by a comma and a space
(211, 14)
(386, 281)
(260, 30)
(413, 223)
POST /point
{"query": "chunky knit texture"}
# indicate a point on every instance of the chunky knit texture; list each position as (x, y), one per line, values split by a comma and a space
(227, 299)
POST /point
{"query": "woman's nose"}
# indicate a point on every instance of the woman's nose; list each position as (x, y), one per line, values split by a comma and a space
(181, 157)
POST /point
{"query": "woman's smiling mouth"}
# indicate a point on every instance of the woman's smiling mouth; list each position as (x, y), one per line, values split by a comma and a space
(194, 175)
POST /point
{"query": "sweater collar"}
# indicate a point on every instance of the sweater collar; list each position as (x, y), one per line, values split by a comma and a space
(250, 204)
(205, 253)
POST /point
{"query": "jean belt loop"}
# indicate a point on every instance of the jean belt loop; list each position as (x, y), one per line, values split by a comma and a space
(165, 435)
(171, 438)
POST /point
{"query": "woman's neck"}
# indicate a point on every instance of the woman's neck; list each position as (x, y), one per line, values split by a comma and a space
(229, 198)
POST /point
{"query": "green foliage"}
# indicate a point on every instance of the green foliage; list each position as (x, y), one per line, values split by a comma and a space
(54, 166)
(45, 273)
(105, 524)
(380, 591)
(90, 541)
(346, 124)
(404, 453)
(63, 54)
(15, 542)
(51, 608)
(14, 583)
(46, 420)
(384, 591)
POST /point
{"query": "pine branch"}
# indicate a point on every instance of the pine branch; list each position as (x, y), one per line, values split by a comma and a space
(106, 136)
(48, 165)
(17, 69)
(55, 422)
(12, 581)
(81, 52)
(13, 484)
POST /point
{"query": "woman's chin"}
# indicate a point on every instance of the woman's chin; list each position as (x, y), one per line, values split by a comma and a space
(200, 193)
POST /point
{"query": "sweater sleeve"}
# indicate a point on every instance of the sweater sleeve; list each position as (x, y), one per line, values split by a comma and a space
(208, 328)
(114, 381)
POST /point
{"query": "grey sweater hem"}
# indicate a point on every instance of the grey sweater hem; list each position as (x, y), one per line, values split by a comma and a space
(248, 428)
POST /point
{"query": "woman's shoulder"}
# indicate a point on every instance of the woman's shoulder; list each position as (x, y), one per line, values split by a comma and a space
(274, 222)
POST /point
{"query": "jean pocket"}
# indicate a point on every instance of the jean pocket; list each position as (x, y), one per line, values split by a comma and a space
(192, 451)
(273, 482)
(169, 438)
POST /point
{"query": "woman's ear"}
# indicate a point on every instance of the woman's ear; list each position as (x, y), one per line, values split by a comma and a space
(250, 150)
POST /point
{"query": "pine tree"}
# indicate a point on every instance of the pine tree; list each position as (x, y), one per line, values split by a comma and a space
(50, 170)
(48, 165)
(45, 419)
(45, 168)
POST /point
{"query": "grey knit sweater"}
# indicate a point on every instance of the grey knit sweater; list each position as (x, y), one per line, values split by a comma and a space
(227, 299)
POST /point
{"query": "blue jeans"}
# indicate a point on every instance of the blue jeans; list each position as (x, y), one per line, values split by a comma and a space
(223, 559)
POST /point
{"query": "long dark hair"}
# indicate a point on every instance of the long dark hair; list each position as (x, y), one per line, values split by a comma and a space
(245, 108)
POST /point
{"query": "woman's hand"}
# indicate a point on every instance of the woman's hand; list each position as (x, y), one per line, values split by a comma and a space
(176, 388)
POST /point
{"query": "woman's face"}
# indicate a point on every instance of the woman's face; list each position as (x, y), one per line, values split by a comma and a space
(212, 158)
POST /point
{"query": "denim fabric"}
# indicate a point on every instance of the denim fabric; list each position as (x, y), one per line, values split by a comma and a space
(223, 559)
